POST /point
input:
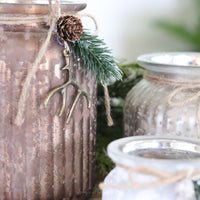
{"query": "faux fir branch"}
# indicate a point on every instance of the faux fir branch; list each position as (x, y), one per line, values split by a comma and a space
(96, 58)
(92, 56)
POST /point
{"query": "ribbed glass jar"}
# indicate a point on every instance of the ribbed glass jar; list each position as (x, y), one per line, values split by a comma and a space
(166, 101)
(44, 158)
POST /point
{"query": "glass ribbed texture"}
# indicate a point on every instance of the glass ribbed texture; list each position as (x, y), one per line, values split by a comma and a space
(147, 110)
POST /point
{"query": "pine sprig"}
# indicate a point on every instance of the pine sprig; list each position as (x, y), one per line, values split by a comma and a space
(96, 58)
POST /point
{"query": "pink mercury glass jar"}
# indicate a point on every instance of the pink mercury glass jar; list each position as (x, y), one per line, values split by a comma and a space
(44, 158)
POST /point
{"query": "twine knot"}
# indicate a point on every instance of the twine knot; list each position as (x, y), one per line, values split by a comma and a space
(54, 11)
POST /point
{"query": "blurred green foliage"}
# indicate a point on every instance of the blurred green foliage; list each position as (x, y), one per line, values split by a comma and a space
(182, 32)
(197, 189)
(132, 73)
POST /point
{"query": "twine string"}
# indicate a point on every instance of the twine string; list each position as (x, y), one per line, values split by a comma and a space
(93, 19)
(107, 104)
(162, 177)
(24, 94)
(55, 9)
(187, 100)
(168, 81)
(182, 85)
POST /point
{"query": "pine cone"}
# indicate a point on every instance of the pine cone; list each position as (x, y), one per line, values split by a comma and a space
(69, 28)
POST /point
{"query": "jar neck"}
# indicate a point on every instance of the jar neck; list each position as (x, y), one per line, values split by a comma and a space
(10, 11)
(38, 9)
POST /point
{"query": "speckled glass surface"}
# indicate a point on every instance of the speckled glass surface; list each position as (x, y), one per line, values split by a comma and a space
(147, 110)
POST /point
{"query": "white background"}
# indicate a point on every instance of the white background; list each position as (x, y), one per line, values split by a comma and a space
(127, 26)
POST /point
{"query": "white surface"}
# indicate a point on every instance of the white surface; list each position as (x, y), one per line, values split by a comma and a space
(128, 26)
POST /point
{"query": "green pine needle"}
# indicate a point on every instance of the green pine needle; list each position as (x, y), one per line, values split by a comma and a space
(96, 58)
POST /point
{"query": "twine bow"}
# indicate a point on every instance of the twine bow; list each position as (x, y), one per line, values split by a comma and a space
(162, 177)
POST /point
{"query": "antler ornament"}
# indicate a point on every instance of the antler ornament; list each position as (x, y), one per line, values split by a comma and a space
(63, 88)
(69, 29)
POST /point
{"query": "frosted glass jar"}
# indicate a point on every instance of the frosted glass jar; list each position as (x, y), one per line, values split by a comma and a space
(166, 101)
(167, 154)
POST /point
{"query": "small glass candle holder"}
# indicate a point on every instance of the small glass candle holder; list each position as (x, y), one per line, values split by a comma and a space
(166, 100)
(152, 168)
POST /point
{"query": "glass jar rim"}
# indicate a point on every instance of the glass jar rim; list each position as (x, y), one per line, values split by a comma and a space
(171, 62)
(41, 2)
(120, 149)
(37, 7)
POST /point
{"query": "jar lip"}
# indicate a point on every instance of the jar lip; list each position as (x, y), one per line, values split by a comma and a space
(37, 7)
(40, 2)
(124, 149)
(170, 61)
